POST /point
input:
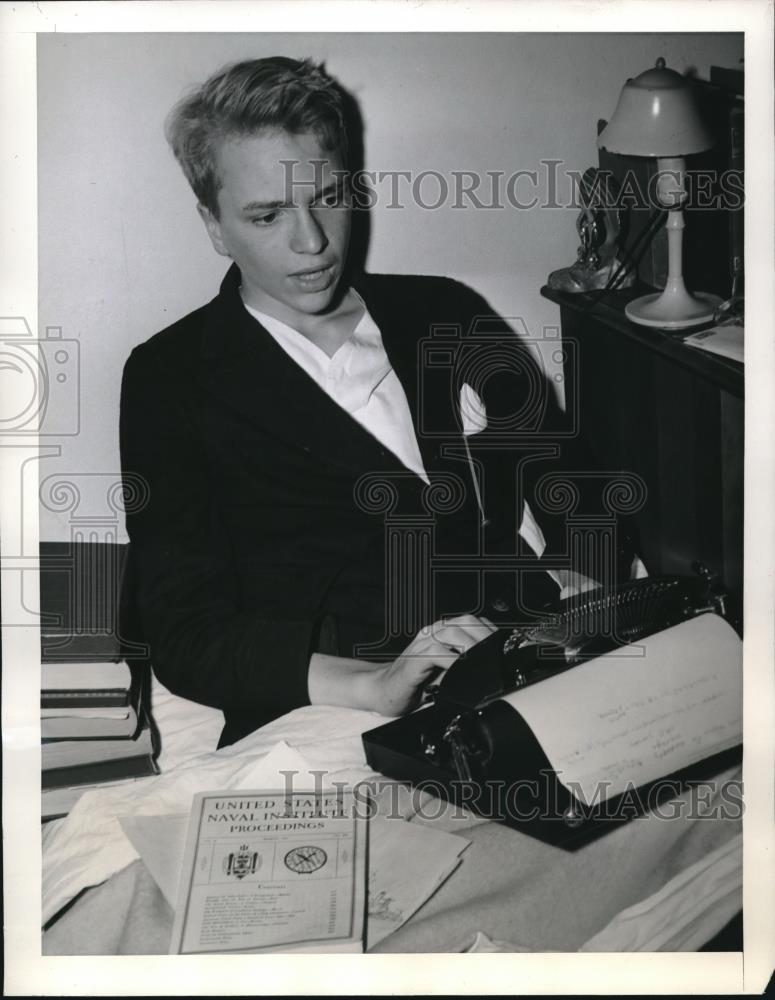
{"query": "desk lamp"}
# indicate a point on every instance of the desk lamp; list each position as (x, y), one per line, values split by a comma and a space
(657, 117)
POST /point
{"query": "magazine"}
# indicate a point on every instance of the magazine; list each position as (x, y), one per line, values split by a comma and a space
(273, 871)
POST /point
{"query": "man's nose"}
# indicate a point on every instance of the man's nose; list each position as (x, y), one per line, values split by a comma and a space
(308, 235)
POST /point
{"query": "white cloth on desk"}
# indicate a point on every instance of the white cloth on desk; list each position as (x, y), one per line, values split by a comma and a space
(683, 915)
(686, 912)
(185, 727)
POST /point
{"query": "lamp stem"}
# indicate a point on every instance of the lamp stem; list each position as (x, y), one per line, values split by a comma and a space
(674, 308)
(675, 226)
(671, 191)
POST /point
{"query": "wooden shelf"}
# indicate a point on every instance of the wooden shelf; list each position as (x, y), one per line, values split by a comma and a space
(645, 402)
(726, 374)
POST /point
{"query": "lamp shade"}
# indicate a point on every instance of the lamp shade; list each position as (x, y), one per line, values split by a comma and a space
(657, 115)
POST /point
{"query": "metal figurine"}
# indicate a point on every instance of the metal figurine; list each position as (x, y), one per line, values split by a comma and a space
(599, 226)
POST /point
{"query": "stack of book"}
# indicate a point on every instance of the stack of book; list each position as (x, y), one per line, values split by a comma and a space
(96, 727)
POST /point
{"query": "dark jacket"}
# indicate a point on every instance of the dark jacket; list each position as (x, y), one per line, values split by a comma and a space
(270, 510)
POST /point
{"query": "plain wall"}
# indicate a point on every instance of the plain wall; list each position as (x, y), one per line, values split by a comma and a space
(122, 252)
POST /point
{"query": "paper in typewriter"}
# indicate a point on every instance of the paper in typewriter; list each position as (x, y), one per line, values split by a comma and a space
(640, 712)
(270, 871)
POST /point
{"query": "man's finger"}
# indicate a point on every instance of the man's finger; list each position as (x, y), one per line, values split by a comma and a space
(463, 637)
(463, 620)
(469, 622)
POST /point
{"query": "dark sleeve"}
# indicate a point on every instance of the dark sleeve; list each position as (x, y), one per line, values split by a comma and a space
(203, 645)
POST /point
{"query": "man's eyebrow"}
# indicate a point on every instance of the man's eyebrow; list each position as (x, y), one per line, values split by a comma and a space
(269, 206)
(333, 185)
(263, 206)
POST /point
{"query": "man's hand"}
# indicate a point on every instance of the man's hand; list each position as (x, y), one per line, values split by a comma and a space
(395, 688)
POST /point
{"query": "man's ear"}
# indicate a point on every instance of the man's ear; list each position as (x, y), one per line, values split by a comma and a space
(213, 227)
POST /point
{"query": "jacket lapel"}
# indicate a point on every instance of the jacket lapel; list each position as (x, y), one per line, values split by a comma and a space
(247, 370)
(405, 321)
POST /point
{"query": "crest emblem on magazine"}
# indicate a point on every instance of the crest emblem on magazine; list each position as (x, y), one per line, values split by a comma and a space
(305, 860)
(243, 862)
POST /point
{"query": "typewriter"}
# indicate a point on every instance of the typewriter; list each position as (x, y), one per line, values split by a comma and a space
(469, 746)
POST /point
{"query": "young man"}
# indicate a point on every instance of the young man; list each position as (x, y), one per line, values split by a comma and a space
(295, 438)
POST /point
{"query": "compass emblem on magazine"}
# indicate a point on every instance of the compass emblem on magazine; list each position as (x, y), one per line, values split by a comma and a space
(305, 860)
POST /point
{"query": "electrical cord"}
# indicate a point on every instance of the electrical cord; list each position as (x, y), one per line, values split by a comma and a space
(629, 258)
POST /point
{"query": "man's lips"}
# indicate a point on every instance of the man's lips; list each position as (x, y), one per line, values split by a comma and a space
(314, 276)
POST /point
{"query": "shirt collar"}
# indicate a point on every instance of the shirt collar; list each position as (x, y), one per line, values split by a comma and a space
(353, 374)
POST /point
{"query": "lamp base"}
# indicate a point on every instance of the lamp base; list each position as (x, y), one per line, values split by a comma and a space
(672, 310)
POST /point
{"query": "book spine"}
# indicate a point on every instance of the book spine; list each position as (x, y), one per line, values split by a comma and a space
(107, 770)
(137, 726)
(69, 647)
(736, 165)
(81, 698)
(135, 697)
(51, 748)
(55, 729)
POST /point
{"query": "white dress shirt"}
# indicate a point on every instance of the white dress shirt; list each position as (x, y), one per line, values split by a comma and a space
(360, 378)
